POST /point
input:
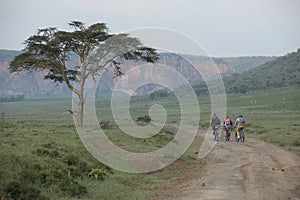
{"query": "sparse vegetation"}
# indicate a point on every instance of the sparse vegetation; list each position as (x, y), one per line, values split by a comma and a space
(272, 116)
(42, 156)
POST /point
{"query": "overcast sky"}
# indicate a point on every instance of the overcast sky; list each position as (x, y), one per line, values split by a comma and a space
(221, 27)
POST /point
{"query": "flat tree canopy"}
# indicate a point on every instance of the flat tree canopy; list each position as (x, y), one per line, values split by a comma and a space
(50, 49)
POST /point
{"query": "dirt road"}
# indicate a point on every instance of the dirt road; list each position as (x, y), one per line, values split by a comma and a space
(250, 170)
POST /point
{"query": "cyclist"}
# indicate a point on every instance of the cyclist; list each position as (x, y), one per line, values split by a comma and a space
(227, 125)
(239, 124)
(215, 124)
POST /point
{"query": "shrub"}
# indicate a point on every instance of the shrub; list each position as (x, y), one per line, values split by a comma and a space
(296, 143)
(71, 159)
(105, 124)
(163, 136)
(41, 152)
(98, 174)
(145, 118)
(75, 166)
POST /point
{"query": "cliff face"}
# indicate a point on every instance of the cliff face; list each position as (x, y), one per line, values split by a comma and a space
(33, 85)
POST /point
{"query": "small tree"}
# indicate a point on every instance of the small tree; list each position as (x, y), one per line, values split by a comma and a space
(50, 49)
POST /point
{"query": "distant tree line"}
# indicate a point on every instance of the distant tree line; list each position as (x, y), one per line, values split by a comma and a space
(18, 97)
(159, 94)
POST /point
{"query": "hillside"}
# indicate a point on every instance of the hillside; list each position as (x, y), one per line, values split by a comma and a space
(284, 71)
(241, 64)
(8, 55)
(33, 85)
(29, 84)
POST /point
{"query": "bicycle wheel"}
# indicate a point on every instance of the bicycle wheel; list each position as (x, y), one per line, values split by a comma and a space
(242, 136)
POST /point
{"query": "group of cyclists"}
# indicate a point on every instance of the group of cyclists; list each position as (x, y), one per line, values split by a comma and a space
(239, 126)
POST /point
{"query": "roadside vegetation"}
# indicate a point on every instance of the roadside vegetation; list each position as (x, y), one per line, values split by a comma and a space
(273, 116)
(42, 156)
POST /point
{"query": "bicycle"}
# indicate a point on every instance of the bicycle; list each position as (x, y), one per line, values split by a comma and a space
(227, 133)
(242, 135)
(216, 133)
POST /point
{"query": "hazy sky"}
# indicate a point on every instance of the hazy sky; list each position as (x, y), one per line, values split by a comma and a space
(221, 27)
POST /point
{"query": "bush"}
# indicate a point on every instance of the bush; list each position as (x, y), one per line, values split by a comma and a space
(71, 159)
(75, 166)
(98, 174)
(163, 136)
(296, 143)
(105, 124)
(145, 118)
(41, 152)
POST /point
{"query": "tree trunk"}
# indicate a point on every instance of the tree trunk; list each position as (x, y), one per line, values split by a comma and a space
(79, 117)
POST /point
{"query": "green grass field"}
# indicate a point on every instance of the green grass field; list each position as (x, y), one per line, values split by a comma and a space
(42, 156)
(272, 116)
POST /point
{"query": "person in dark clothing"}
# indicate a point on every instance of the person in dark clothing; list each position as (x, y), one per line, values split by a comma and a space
(215, 125)
(239, 124)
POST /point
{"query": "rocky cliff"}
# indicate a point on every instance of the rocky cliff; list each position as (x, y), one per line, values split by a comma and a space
(33, 85)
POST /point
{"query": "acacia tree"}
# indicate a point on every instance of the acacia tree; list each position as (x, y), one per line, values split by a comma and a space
(50, 50)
